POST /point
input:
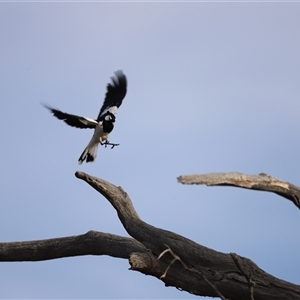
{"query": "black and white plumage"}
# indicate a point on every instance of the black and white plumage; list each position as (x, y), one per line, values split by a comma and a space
(105, 121)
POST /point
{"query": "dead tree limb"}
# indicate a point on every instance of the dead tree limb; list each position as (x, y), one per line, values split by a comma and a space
(172, 258)
(219, 269)
(90, 243)
(261, 182)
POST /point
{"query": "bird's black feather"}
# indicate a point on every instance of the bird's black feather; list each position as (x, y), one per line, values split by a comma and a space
(116, 91)
(72, 120)
(89, 158)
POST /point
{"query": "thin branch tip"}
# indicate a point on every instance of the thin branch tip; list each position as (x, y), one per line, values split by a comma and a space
(79, 174)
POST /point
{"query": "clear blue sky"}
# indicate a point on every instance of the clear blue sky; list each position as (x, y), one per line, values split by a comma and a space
(212, 87)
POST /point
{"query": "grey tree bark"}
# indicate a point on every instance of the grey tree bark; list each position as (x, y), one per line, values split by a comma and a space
(172, 258)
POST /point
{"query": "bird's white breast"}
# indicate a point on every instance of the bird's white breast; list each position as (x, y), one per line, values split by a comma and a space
(99, 135)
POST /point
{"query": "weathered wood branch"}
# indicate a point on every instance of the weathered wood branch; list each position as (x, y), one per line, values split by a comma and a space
(172, 258)
(196, 269)
(261, 182)
(91, 243)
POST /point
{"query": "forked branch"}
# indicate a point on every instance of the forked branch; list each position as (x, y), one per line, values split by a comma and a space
(172, 258)
(222, 273)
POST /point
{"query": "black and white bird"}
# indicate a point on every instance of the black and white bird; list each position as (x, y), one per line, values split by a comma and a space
(105, 121)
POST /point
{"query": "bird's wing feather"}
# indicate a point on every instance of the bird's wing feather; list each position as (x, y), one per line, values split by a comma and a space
(72, 120)
(115, 94)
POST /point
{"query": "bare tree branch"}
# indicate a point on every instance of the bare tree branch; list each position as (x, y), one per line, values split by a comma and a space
(219, 269)
(172, 258)
(261, 182)
(91, 243)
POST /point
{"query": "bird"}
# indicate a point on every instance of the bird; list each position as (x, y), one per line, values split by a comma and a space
(104, 124)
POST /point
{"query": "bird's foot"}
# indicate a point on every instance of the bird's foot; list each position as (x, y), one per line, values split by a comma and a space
(107, 143)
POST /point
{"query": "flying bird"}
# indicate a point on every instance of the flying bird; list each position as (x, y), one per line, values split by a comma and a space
(105, 121)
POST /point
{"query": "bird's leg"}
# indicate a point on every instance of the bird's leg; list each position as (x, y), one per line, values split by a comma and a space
(107, 143)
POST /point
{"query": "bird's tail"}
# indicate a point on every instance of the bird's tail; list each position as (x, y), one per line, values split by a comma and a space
(89, 153)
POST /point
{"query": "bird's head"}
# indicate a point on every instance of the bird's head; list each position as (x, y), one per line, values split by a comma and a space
(110, 117)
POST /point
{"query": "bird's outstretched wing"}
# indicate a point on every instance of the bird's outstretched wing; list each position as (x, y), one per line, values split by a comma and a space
(115, 94)
(72, 120)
